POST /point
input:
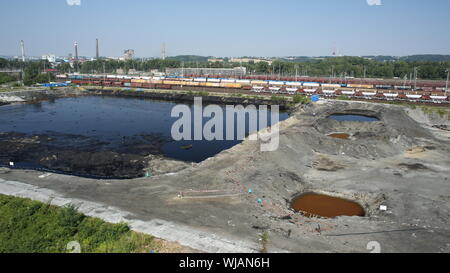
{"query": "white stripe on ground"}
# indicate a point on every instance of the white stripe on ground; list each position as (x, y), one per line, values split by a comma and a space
(170, 231)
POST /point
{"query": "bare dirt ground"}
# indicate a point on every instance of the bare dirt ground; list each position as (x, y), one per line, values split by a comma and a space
(397, 162)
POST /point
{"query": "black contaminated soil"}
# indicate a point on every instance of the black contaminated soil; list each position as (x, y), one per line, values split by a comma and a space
(78, 155)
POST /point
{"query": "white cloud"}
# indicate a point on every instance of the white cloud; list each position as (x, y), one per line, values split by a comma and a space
(73, 2)
(374, 2)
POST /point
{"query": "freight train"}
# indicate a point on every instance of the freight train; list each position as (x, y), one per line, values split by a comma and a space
(352, 90)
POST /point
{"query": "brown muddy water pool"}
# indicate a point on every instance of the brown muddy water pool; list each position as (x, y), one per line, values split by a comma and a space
(313, 204)
(340, 135)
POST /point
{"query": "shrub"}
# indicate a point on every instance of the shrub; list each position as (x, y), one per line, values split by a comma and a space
(28, 226)
(69, 218)
(300, 99)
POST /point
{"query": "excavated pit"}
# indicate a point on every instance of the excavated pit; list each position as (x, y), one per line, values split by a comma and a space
(354, 132)
(313, 205)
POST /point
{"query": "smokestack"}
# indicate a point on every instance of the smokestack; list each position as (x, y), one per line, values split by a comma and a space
(76, 51)
(163, 51)
(22, 48)
(97, 54)
(76, 56)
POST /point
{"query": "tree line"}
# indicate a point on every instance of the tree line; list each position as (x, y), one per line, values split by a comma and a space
(32, 71)
(325, 67)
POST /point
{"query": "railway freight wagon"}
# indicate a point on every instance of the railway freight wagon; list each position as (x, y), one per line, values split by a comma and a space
(366, 91)
(438, 97)
(365, 86)
(354, 81)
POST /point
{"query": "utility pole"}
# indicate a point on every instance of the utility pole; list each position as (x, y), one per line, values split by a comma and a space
(332, 73)
(182, 69)
(446, 83)
(279, 71)
(415, 77)
(104, 73)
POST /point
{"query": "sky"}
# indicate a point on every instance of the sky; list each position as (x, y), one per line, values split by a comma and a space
(226, 28)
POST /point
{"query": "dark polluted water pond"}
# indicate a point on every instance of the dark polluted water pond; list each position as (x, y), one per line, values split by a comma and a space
(351, 117)
(99, 136)
(312, 204)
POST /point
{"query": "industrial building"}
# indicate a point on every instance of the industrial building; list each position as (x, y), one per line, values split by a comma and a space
(128, 54)
(236, 71)
(249, 60)
(49, 57)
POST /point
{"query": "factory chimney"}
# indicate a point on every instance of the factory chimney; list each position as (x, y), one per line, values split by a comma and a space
(76, 56)
(76, 51)
(22, 48)
(163, 51)
(97, 54)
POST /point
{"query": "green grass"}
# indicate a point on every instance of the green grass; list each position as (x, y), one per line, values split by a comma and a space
(28, 226)
(198, 94)
(278, 98)
(300, 99)
(343, 97)
(264, 238)
(12, 88)
(442, 111)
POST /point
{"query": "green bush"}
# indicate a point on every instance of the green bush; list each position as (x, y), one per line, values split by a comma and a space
(5, 78)
(300, 99)
(28, 226)
(69, 218)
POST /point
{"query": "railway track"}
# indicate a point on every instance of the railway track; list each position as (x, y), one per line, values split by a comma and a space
(365, 92)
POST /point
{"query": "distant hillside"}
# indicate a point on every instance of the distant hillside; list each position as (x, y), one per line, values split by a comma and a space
(412, 58)
(189, 58)
(381, 58)
(298, 59)
(426, 58)
(303, 59)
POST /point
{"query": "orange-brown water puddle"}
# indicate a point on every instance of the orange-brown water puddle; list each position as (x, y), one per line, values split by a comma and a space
(340, 135)
(312, 204)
